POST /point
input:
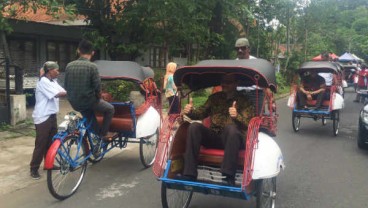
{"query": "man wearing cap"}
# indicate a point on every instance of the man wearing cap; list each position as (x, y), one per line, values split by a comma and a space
(47, 95)
(242, 48)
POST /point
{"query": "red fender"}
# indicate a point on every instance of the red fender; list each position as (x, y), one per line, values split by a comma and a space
(51, 153)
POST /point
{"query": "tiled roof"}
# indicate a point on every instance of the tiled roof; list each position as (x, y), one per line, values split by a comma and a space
(40, 16)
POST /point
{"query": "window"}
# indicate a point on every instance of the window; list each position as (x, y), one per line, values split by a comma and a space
(157, 57)
(62, 52)
(23, 53)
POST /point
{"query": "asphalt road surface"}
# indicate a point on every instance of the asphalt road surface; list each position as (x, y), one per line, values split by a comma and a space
(322, 171)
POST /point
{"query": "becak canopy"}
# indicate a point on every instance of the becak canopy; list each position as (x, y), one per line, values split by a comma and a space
(319, 57)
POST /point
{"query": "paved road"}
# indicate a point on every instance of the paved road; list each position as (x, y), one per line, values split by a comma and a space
(322, 171)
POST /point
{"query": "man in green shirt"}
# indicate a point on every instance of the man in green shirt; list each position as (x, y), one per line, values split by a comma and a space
(230, 112)
(83, 84)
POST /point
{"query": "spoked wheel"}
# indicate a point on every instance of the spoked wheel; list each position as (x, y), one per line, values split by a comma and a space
(69, 169)
(336, 121)
(266, 193)
(147, 149)
(324, 121)
(296, 122)
(173, 198)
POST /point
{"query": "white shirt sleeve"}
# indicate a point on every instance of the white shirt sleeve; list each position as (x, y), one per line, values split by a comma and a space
(49, 88)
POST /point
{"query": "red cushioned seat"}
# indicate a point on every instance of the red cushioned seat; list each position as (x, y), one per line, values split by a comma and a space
(215, 156)
(313, 103)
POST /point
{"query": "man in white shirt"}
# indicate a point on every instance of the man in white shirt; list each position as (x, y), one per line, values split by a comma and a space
(47, 94)
(242, 48)
(328, 77)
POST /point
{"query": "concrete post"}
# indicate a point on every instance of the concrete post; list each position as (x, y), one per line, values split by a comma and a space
(18, 109)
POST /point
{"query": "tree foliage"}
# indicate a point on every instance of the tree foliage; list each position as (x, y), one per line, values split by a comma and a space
(208, 28)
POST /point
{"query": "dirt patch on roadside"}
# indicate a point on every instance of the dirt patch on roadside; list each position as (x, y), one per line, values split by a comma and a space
(15, 156)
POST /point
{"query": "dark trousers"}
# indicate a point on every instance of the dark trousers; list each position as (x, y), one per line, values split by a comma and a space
(44, 133)
(231, 140)
(174, 107)
(302, 99)
(108, 112)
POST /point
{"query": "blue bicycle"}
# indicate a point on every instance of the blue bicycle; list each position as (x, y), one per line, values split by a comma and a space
(76, 143)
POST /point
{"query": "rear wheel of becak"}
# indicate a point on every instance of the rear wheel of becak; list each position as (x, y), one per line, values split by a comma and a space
(296, 122)
(174, 198)
(336, 121)
(147, 149)
(266, 193)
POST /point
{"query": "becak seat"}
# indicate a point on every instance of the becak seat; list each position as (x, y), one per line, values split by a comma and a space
(325, 103)
(214, 157)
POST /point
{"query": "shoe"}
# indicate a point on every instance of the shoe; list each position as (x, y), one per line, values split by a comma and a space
(35, 175)
(229, 180)
(357, 101)
(97, 149)
(185, 177)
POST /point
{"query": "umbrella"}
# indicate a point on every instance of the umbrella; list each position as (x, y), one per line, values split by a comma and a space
(356, 57)
(347, 57)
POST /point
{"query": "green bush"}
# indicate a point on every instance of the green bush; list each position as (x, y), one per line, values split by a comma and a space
(120, 89)
(282, 84)
(159, 77)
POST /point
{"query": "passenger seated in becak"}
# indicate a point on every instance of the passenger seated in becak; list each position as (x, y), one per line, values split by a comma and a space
(230, 113)
(312, 87)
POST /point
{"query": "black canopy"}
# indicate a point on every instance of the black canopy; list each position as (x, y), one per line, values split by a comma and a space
(208, 73)
(319, 66)
(127, 70)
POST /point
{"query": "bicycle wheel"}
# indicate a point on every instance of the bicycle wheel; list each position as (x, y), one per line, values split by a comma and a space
(336, 121)
(69, 169)
(324, 121)
(173, 198)
(266, 193)
(147, 149)
(296, 122)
